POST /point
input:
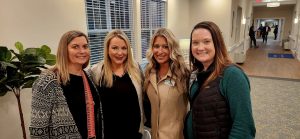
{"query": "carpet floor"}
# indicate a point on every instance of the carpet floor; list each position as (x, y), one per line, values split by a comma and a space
(275, 104)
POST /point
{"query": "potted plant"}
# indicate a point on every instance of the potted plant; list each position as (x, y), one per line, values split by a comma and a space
(19, 70)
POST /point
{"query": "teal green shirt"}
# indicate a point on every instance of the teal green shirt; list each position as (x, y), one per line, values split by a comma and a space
(235, 87)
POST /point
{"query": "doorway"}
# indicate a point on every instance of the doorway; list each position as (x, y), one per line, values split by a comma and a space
(271, 22)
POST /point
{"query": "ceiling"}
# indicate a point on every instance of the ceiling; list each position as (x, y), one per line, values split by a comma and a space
(264, 2)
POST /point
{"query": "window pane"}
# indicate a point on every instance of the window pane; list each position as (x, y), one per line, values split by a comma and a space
(153, 16)
(102, 17)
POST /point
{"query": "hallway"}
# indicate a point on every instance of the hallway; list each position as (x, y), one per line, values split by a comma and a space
(259, 64)
(275, 85)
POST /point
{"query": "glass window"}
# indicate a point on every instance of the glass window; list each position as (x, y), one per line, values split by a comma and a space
(105, 15)
(153, 16)
(102, 17)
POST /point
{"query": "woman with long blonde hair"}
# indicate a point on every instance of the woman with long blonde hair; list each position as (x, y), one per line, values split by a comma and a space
(166, 83)
(119, 81)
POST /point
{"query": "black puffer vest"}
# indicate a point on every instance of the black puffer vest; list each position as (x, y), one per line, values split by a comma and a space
(211, 116)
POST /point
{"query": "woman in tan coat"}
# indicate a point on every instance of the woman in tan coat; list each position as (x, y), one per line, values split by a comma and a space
(166, 79)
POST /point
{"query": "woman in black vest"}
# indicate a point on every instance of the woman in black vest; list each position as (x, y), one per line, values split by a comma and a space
(220, 104)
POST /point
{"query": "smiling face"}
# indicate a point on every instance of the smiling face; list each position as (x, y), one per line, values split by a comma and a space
(117, 51)
(78, 52)
(161, 50)
(203, 48)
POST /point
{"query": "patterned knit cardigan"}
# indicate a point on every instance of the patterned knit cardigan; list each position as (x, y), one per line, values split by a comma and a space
(50, 114)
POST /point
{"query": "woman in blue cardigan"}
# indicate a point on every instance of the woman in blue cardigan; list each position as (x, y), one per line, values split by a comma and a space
(220, 104)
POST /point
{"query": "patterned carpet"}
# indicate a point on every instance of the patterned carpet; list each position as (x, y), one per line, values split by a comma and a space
(276, 109)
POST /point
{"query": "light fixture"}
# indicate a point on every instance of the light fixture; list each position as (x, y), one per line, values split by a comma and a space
(273, 4)
(296, 20)
(244, 21)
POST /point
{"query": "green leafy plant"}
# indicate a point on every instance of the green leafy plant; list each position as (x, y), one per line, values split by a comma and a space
(19, 70)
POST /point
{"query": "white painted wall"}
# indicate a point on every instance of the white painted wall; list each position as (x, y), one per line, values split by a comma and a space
(10, 123)
(243, 32)
(296, 31)
(34, 23)
(178, 18)
(298, 38)
(238, 48)
(218, 11)
(249, 22)
(38, 22)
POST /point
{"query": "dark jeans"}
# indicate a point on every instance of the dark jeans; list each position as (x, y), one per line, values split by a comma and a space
(254, 41)
(275, 34)
(265, 38)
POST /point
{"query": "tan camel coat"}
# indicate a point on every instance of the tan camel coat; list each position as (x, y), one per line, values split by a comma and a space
(168, 107)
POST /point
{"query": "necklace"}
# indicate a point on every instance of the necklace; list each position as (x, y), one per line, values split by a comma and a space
(119, 71)
(119, 74)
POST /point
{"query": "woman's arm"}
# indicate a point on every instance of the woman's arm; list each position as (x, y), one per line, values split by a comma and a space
(41, 107)
(235, 87)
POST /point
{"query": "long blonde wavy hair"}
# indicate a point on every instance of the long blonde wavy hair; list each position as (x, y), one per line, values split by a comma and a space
(177, 65)
(130, 65)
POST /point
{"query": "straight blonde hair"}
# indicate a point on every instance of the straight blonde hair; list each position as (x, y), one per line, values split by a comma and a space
(62, 57)
(131, 66)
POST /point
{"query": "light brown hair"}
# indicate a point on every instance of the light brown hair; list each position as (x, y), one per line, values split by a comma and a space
(62, 60)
